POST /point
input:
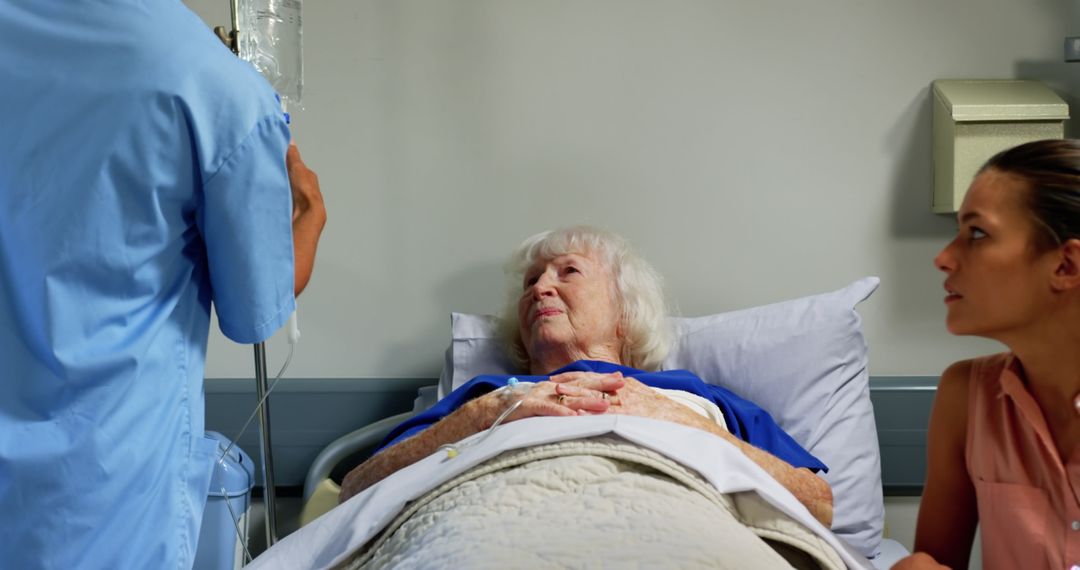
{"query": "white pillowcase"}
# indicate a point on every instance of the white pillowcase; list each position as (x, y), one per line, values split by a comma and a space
(804, 361)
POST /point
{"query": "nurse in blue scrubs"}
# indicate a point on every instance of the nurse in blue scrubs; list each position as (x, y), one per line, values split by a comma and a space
(143, 177)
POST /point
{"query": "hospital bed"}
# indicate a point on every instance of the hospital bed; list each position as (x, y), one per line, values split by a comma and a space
(802, 360)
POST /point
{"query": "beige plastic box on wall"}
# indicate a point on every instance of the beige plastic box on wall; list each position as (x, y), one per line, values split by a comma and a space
(974, 119)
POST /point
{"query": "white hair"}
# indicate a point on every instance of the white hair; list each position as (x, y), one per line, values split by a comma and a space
(637, 288)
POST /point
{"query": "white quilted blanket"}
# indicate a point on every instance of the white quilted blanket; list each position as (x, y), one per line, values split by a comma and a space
(598, 502)
(373, 517)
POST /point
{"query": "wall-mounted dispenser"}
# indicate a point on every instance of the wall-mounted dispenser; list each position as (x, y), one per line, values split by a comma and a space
(974, 119)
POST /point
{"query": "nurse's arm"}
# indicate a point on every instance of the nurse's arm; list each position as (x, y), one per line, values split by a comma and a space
(308, 216)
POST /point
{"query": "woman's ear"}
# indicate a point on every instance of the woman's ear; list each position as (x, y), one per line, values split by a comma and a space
(1067, 273)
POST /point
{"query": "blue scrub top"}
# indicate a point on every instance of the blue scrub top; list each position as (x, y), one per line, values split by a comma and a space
(142, 177)
(745, 419)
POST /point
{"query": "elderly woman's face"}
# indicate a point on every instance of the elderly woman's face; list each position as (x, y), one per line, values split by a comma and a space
(567, 303)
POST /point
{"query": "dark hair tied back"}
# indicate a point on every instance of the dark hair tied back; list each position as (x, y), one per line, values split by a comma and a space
(1052, 170)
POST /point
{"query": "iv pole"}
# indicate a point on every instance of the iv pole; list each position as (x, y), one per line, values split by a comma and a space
(231, 39)
(269, 493)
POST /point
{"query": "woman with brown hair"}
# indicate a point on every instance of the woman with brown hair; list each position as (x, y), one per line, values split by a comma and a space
(1003, 448)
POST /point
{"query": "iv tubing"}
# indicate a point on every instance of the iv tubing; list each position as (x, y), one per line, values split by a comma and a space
(258, 407)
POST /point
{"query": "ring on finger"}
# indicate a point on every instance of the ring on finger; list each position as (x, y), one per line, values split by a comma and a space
(562, 399)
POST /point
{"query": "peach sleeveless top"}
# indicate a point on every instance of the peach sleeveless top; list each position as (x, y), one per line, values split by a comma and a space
(1029, 511)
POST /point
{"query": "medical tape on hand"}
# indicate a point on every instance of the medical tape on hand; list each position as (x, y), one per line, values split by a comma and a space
(512, 389)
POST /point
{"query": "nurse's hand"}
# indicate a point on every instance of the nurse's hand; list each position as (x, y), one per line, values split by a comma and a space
(308, 215)
(307, 198)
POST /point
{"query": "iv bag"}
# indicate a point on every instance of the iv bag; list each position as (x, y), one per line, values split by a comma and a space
(271, 39)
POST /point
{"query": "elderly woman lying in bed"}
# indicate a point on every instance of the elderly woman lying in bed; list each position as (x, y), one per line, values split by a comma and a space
(588, 326)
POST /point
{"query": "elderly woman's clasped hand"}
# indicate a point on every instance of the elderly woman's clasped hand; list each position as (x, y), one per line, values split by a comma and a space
(589, 393)
(566, 394)
(637, 399)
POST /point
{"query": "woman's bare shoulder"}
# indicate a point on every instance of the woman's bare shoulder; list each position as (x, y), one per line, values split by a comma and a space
(957, 378)
(952, 390)
(957, 373)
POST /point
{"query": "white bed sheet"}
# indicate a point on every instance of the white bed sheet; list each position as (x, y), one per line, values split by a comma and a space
(330, 538)
(891, 553)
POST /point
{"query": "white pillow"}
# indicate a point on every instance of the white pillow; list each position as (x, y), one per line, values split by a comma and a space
(804, 361)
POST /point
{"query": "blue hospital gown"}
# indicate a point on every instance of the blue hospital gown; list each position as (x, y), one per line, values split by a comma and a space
(745, 419)
(142, 177)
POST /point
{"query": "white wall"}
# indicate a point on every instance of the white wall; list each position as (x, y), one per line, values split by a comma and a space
(753, 150)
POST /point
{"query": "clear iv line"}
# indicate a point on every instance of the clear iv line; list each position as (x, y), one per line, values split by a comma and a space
(258, 404)
(293, 336)
(511, 387)
(236, 525)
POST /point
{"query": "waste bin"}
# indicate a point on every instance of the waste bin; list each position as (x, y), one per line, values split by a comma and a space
(224, 531)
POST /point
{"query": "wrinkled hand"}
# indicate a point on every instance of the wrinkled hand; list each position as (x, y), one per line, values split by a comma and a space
(588, 391)
(567, 394)
(637, 399)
